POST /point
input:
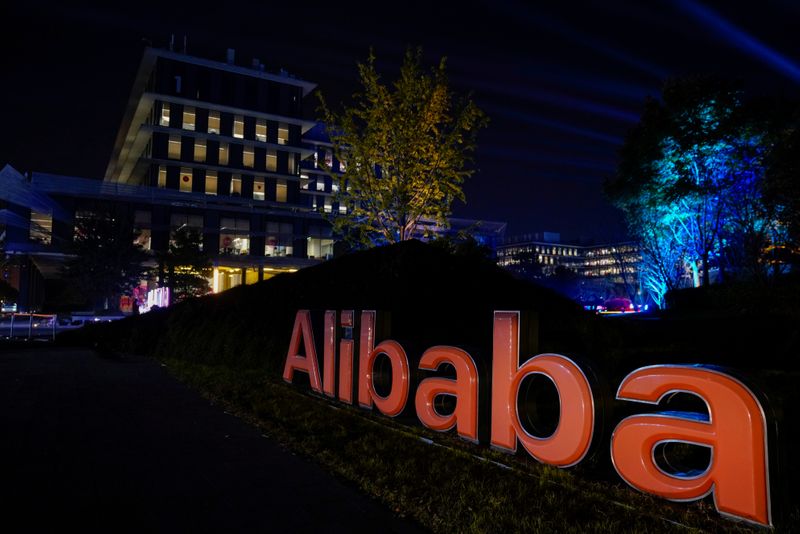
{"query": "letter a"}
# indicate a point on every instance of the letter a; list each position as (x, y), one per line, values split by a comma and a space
(296, 362)
(464, 388)
(735, 431)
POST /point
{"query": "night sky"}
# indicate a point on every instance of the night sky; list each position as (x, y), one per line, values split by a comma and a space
(562, 82)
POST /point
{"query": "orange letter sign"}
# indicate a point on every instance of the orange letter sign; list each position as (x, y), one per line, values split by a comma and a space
(392, 404)
(307, 363)
(365, 345)
(464, 388)
(736, 434)
(570, 442)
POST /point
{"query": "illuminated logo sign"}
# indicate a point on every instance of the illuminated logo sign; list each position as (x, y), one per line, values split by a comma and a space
(733, 429)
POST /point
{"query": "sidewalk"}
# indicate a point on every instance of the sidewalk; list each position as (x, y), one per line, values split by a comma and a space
(106, 445)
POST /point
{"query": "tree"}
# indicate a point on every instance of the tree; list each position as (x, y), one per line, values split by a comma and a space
(407, 148)
(690, 183)
(782, 184)
(106, 262)
(186, 266)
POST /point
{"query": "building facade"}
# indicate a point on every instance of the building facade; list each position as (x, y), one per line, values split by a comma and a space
(597, 271)
(214, 146)
(211, 145)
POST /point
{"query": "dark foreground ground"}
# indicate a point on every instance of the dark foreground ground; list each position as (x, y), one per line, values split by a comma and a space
(97, 444)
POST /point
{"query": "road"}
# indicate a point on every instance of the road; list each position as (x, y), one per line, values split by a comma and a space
(94, 444)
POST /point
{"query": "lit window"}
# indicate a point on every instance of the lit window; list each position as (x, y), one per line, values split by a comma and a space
(291, 165)
(335, 187)
(328, 207)
(320, 242)
(188, 118)
(238, 126)
(174, 151)
(320, 184)
(258, 189)
(41, 228)
(342, 166)
(279, 239)
(261, 130)
(316, 160)
(213, 122)
(223, 153)
(328, 159)
(236, 186)
(234, 236)
(200, 150)
(142, 226)
(186, 180)
(248, 158)
(304, 180)
(283, 133)
(272, 160)
(342, 209)
(211, 182)
(280, 191)
(162, 176)
(164, 120)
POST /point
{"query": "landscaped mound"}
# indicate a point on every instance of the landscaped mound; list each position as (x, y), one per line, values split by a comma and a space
(423, 295)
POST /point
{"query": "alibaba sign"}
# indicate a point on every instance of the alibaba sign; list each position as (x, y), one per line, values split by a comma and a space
(734, 429)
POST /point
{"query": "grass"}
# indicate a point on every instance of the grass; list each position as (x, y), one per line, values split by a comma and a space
(443, 483)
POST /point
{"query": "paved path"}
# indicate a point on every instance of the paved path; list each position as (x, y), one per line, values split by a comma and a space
(102, 445)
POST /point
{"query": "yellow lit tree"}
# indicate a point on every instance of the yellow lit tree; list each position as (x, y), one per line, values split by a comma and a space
(407, 148)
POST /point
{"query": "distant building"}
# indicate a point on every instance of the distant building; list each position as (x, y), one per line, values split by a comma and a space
(600, 271)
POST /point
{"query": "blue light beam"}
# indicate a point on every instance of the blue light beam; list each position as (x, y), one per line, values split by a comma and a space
(740, 39)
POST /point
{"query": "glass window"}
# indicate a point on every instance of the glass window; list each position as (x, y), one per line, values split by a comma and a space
(283, 133)
(188, 118)
(248, 158)
(320, 242)
(291, 165)
(316, 159)
(174, 151)
(280, 190)
(176, 220)
(179, 220)
(211, 182)
(200, 150)
(328, 207)
(304, 181)
(142, 225)
(258, 189)
(213, 122)
(238, 126)
(186, 180)
(41, 228)
(223, 153)
(320, 183)
(162, 176)
(272, 160)
(279, 239)
(234, 236)
(261, 130)
(164, 120)
(329, 159)
(236, 186)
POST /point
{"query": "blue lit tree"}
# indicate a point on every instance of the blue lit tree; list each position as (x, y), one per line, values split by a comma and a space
(690, 182)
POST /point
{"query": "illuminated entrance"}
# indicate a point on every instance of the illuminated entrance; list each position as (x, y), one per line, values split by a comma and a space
(225, 278)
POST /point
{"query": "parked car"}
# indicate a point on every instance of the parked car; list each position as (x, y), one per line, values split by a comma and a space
(619, 305)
